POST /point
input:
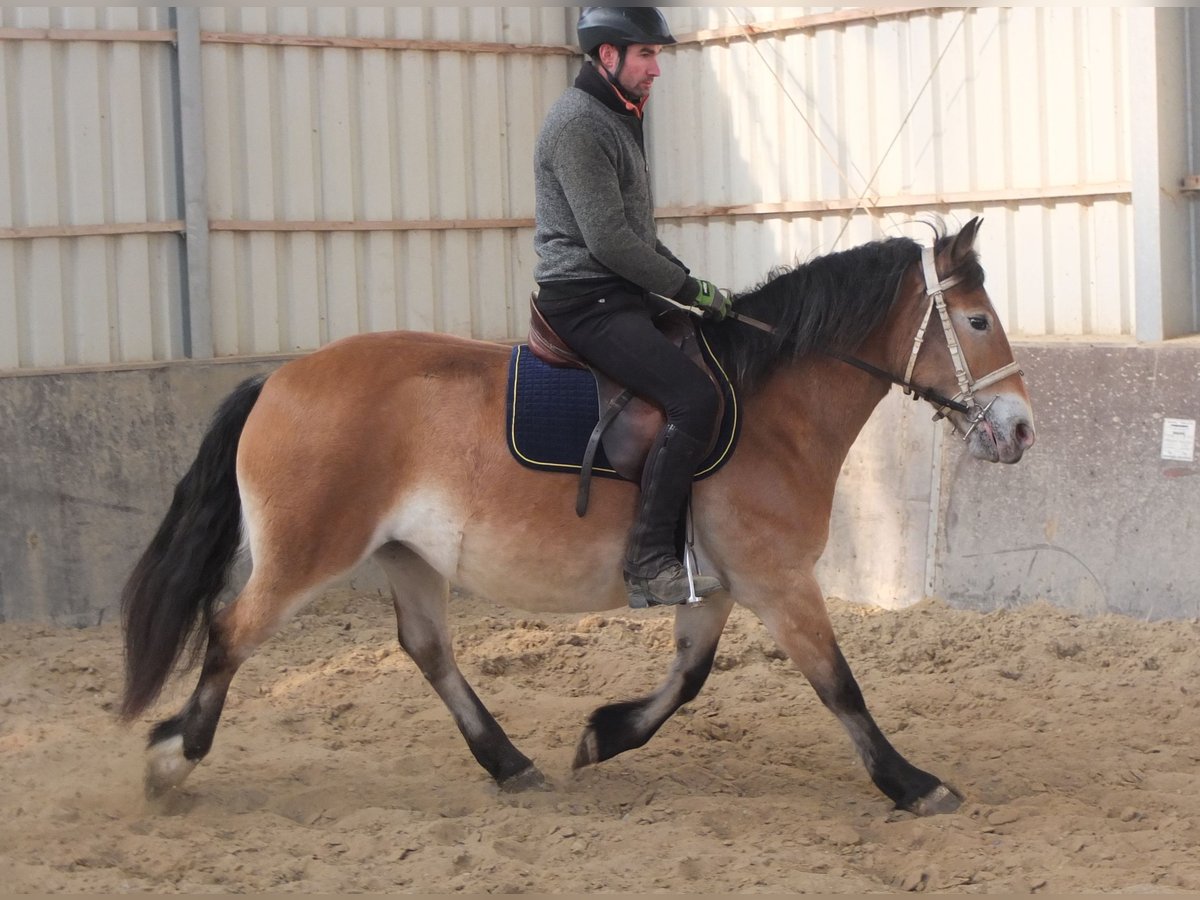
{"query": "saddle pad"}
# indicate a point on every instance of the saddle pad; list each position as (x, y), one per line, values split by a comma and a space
(552, 412)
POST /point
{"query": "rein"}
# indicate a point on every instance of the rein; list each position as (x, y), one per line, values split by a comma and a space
(913, 390)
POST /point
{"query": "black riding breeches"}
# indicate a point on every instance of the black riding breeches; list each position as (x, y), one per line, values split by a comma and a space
(616, 335)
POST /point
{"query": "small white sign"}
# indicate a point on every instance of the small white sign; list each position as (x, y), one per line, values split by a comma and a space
(1179, 439)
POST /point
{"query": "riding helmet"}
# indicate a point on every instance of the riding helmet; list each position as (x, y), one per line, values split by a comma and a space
(621, 26)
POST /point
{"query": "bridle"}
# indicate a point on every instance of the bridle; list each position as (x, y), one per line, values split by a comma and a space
(935, 290)
(964, 401)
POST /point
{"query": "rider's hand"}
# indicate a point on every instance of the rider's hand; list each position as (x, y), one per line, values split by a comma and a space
(715, 302)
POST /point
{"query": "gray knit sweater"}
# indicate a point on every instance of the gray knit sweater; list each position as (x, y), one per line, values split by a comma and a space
(594, 209)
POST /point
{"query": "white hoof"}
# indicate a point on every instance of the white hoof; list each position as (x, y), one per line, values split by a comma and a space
(939, 801)
(166, 766)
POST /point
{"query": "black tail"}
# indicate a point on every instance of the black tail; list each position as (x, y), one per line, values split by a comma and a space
(169, 598)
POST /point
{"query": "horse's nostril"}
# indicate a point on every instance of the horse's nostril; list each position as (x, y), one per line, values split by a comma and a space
(1025, 435)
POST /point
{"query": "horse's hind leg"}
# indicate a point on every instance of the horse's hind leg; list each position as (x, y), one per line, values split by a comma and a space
(177, 745)
(805, 633)
(419, 594)
(624, 726)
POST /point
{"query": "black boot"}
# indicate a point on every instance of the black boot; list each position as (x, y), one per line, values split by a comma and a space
(654, 576)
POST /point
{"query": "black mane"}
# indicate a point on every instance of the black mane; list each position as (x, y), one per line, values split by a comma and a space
(828, 304)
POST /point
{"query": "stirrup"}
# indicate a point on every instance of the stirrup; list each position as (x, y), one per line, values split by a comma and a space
(689, 564)
(643, 593)
(699, 586)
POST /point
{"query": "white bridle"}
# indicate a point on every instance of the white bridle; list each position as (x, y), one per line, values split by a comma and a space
(935, 290)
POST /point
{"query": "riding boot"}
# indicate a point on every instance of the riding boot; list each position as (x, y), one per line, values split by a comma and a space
(654, 576)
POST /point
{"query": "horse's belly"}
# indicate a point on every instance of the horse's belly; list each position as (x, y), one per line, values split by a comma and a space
(541, 573)
(512, 555)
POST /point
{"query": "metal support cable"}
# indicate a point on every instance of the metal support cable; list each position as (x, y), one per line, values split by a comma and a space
(863, 196)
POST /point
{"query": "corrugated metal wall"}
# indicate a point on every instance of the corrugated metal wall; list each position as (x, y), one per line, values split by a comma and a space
(351, 187)
(336, 134)
(1018, 114)
(87, 141)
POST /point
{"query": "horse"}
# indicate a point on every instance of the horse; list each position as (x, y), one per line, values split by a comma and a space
(389, 446)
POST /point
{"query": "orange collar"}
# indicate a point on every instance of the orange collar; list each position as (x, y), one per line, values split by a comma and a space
(635, 108)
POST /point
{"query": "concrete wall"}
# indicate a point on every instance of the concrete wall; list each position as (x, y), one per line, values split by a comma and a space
(882, 513)
(88, 461)
(1092, 519)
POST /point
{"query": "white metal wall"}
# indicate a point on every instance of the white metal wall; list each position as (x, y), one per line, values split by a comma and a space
(371, 135)
(1017, 114)
(427, 154)
(87, 141)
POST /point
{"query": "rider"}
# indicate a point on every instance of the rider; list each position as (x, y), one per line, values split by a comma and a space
(599, 258)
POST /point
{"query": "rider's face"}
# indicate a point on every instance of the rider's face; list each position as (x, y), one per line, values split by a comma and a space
(640, 69)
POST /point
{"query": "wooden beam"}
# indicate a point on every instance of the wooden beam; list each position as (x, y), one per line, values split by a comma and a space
(354, 43)
(81, 34)
(288, 40)
(1075, 192)
(1081, 193)
(387, 225)
(1191, 183)
(851, 16)
(71, 231)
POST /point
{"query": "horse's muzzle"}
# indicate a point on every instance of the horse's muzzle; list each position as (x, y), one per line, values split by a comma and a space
(1001, 431)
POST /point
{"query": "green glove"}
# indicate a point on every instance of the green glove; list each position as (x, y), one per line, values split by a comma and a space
(715, 302)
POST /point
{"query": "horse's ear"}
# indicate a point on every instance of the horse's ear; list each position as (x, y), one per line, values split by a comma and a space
(964, 241)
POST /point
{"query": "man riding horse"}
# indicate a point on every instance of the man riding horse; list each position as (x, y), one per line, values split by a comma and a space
(599, 259)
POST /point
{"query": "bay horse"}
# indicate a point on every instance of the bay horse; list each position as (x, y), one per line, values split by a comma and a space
(390, 446)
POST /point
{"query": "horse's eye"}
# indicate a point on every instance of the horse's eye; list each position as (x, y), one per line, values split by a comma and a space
(979, 323)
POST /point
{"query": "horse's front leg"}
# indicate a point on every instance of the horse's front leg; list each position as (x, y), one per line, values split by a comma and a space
(799, 622)
(624, 726)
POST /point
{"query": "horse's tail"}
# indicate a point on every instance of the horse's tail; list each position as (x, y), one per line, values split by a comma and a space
(169, 598)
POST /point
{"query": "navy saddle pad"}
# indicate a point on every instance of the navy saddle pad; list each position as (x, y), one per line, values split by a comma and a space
(552, 412)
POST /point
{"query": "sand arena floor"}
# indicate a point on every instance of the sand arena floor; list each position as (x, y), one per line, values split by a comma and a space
(336, 768)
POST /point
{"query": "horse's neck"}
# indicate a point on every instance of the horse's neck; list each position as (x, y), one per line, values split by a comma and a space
(818, 404)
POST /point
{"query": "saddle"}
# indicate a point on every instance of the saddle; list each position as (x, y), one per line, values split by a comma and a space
(628, 424)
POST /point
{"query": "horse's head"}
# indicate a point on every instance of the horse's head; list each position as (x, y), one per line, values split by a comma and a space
(892, 307)
(961, 351)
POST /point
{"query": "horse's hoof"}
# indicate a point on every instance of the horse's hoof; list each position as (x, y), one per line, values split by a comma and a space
(938, 801)
(530, 779)
(166, 767)
(588, 751)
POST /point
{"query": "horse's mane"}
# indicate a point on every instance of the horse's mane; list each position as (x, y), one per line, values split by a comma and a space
(830, 303)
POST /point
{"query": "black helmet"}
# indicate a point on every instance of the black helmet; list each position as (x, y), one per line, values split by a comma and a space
(621, 26)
